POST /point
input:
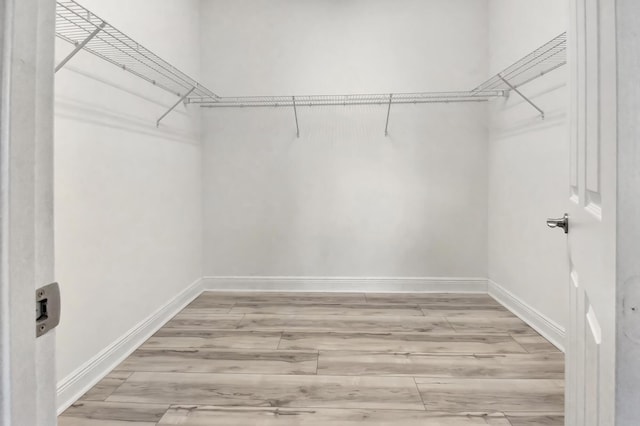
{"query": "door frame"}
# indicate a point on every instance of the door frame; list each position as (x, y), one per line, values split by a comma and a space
(27, 367)
(627, 385)
(27, 372)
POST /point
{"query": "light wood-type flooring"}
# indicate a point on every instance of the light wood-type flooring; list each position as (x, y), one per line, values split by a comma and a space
(316, 359)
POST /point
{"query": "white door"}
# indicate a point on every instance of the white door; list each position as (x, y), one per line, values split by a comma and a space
(592, 211)
(27, 372)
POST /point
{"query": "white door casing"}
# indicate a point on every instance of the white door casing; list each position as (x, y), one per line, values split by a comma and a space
(27, 373)
(592, 202)
(628, 213)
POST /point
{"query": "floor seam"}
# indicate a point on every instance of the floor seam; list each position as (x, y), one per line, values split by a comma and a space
(453, 328)
(419, 393)
(520, 344)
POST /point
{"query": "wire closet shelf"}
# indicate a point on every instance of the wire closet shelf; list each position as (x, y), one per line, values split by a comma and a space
(546, 58)
(86, 31)
(543, 60)
(362, 99)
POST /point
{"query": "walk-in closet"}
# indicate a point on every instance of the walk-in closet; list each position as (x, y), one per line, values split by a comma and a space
(318, 212)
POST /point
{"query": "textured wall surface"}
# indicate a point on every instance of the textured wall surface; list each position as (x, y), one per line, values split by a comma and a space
(343, 200)
(529, 163)
(128, 196)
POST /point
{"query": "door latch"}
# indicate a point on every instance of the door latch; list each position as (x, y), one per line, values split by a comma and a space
(47, 308)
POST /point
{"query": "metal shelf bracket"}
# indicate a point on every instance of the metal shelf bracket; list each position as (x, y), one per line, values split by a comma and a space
(182, 99)
(522, 95)
(386, 127)
(80, 46)
(295, 113)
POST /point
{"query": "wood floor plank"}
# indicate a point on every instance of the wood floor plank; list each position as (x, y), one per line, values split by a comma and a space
(311, 359)
(106, 386)
(207, 312)
(500, 395)
(400, 342)
(467, 312)
(503, 366)
(536, 419)
(210, 304)
(282, 297)
(434, 300)
(77, 421)
(535, 343)
(204, 338)
(345, 323)
(344, 309)
(512, 325)
(193, 319)
(239, 416)
(243, 361)
(270, 391)
(117, 411)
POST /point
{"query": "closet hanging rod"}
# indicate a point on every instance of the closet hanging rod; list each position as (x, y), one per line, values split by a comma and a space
(86, 31)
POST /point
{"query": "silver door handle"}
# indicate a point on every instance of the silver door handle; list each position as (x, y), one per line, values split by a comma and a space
(562, 223)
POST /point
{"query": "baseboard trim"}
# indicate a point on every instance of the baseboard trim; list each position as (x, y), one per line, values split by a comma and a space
(87, 375)
(543, 325)
(346, 284)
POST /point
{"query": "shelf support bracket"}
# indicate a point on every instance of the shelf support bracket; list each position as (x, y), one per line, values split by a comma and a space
(80, 46)
(386, 127)
(529, 101)
(182, 99)
(295, 113)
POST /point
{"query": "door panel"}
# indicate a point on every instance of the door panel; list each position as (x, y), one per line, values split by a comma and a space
(592, 339)
(574, 380)
(592, 107)
(591, 204)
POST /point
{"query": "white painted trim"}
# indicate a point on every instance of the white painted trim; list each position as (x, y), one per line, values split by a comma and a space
(543, 325)
(347, 284)
(87, 375)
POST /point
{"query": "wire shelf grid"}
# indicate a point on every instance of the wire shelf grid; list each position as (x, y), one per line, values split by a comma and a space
(361, 99)
(82, 28)
(86, 31)
(548, 57)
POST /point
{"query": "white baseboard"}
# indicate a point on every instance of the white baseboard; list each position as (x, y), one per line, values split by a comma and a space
(87, 375)
(346, 284)
(543, 325)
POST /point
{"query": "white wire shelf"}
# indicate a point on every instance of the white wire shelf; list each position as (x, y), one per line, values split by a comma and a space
(364, 99)
(543, 60)
(86, 31)
(546, 58)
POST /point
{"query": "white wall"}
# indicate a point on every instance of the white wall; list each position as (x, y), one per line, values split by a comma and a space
(128, 208)
(343, 200)
(528, 163)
